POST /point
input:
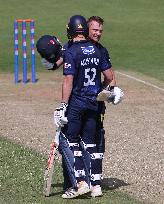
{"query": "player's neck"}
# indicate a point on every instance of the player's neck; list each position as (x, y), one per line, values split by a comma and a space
(79, 38)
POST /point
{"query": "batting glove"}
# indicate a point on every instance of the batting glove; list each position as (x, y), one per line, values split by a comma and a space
(48, 65)
(59, 115)
(118, 95)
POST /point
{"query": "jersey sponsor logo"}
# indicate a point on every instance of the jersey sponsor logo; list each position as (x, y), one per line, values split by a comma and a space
(66, 65)
(89, 61)
(88, 50)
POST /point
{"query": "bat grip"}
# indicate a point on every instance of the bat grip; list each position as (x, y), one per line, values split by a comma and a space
(57, 135)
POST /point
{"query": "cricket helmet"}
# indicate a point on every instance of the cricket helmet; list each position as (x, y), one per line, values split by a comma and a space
(49, 47)
(77, 25)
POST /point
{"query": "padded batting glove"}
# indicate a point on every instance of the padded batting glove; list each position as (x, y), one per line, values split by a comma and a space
(48, 65)
(111, 94)
(117, 95)
(59, 115)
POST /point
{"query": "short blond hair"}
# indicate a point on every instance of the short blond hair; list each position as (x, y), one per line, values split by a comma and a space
(98, 19)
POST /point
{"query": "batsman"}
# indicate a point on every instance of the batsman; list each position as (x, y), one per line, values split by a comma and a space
(82, 138)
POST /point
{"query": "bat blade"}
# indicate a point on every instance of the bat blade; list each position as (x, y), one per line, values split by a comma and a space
(105, 96)
(48, 181)
(49, 171)
(50, 165)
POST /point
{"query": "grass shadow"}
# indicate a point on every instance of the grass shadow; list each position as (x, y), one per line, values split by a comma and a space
(57, 185)
(113, 183)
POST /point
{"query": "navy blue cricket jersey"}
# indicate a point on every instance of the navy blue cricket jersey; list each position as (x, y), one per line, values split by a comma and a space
(102, 49)
(104, 53)
(85, 62)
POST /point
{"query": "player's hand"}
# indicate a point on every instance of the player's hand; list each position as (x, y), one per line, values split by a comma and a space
(59, 115)
(46, 64)
(118, 95)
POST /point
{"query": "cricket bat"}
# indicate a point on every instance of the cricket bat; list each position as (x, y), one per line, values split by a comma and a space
(50, 164)
(105, 95)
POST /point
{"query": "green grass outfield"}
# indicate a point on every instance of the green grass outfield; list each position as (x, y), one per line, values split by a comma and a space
(21, 180)
(134, 30)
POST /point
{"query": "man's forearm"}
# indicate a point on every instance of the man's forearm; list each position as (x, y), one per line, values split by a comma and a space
(59, 62)
(113, 82)
(67, 88)
(108, 77)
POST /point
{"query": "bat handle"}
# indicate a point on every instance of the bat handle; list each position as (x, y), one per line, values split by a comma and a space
(57, 135)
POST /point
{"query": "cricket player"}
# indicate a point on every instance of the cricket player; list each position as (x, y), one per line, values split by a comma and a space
(83, 65)
(53, 62)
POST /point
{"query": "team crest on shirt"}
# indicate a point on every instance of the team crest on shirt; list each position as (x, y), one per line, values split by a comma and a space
(88, 50)
(66, 65)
